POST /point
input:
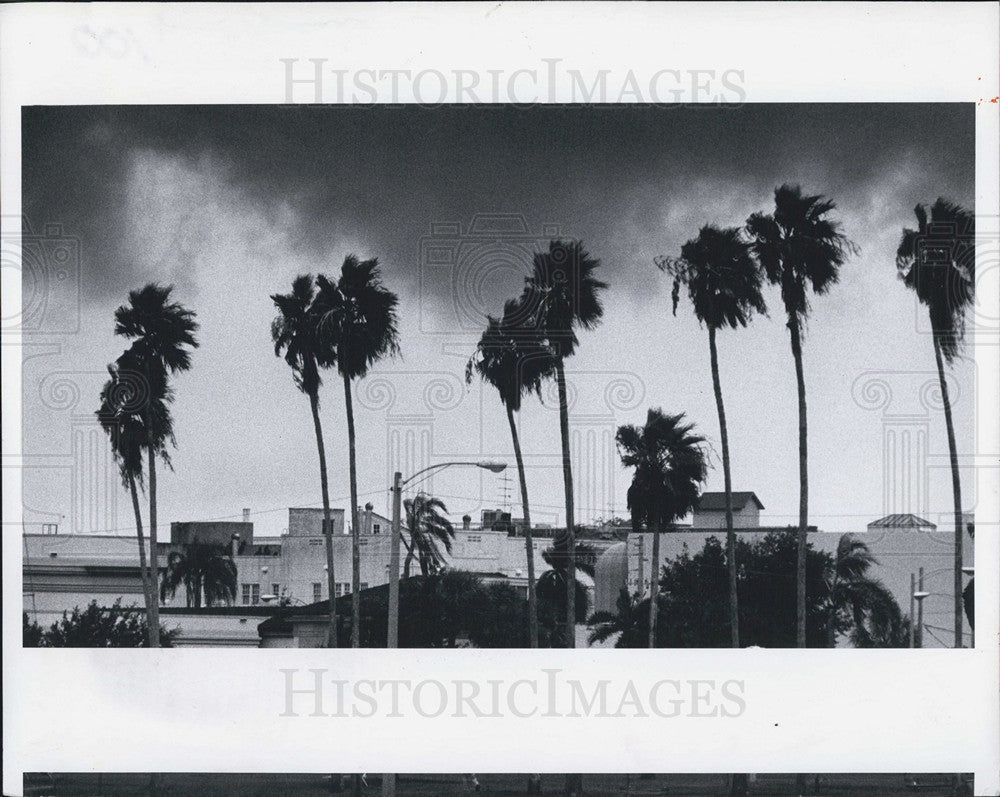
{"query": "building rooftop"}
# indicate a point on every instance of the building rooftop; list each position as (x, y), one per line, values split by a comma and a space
(716, 502)
(907, 520)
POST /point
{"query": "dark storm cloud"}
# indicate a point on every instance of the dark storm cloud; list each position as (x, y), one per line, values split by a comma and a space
(384, 174)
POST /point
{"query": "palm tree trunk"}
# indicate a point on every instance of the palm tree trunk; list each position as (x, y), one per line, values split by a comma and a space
(570, 633)
(410, 553)
(529, 546)
(355, 526)
(800, 555)
(956, 489)
(154, 570)
(147, 594)
(331, 633)
(654, 581)
(734, 606)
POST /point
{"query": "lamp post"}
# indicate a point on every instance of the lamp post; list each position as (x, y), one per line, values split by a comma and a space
(392, 635)
(919, 595)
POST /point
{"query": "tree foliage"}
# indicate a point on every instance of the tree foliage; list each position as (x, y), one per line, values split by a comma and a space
(95, 626)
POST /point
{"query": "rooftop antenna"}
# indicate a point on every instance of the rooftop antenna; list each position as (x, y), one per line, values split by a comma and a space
(505, 492)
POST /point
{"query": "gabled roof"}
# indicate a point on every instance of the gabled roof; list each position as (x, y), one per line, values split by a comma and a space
(907, 520)
(716, 502)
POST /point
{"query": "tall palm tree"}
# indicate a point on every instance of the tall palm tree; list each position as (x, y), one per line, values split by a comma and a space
(294, 332)
(205, 570)
(858, 601)
(724, 285)
(561, 295)
(428, 527)
(670, 468)
(119, 418)
(162, 335)
(937, 261)
(511, 357)
(356, 318)
(799, 247)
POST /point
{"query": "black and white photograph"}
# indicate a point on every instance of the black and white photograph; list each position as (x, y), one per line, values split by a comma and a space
(500, 377)
(609, 408)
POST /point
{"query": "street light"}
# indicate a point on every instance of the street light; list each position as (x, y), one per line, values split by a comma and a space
(392, 640)
(398, 483)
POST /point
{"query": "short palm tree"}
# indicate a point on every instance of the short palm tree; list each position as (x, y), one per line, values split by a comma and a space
(551, 588)
(562, 295)
(670, 467)
(799, 247)
(428, 528)
(724, 285)
(119, 417)
(511, 357)
(858, 601)
(937, 262)
(624, 621)
(205, 570)
(357, 319)
(162, 335)
(294, 332)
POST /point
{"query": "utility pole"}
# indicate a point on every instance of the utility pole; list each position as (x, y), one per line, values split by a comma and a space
(913, 599)
(920, 610)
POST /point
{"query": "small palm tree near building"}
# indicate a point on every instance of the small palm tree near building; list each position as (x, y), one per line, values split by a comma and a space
(801, 250)
(429, 530)
(858, 603)
(937, 261)
(552, 588)
(724, 285)
(206, 571)
(670, 466)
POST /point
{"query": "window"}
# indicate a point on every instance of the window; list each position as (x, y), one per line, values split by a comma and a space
(364, 585)
(317, 592)
(343, 588)
(251, 594)
(473, 538)
(276, 590)
(376, 528)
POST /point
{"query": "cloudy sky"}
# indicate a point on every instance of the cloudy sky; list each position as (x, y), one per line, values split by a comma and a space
(229, 204)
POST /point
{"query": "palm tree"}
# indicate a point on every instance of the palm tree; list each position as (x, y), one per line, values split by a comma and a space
(294, 332)
(552, 589)
(162, 335)
(562, 295)
(857, 601)
(119, 418)
(670, 468)
(937, 261)
(799, 247)
(625, 620)
(357, 318)
(514, 361)
(724, 285)
(205, 570)
(428, 526)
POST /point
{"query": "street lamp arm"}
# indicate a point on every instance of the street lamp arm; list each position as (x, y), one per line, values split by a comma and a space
(496, 467)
